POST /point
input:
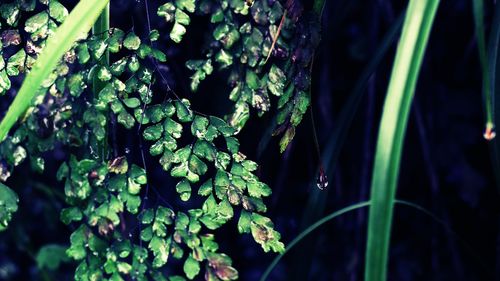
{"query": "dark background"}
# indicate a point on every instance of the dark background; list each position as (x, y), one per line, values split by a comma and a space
(446, 167)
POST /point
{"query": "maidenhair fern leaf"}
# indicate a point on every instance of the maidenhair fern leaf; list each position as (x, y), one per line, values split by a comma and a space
(8, 205)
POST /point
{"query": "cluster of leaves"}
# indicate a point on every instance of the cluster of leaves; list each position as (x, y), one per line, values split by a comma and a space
(103, 193)
(234, 183)
(25, 28)
(245, 35)
(19, 49)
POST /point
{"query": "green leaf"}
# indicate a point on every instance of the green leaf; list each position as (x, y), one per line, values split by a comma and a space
(181, 17)
(153, 133)
(188, 5)
(16, 63)
(287, 138)
(160, 248)
(184, 190)
(138, 174)
(258, 189)
(10, 12)
(132, 102)
(167, 11)
(177, 32)
(76, 84)
(184, 114)
(205, 150)
(51, 256)
(263, 233)
(197, 166)
(252, 80)
(132, 42)
(78, 240)
(244, 222)
(233, 145)
(37, 22)
(173, 128)
(191, 267)
(79, 21)
(416, 29)
(276, 81)
(71, 214)
(104, 74)
(199, 126)
(119, 165)
(8, 205)
(220, 31)
(4, 82)
(57, 11)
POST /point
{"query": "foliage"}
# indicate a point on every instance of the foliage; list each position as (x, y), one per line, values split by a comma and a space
(264, 47)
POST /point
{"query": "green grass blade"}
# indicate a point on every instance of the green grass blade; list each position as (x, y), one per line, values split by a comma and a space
(353, 207)
(478, 8)
(493, 65)
(493, 50)
(308, 230)
(79, 21)
(416, 29)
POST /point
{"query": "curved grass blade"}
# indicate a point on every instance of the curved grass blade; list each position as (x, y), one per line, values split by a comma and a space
(478, 8)
(353, 207)
(308, 230)
(79, 21)
(317, 198)
(416, 29)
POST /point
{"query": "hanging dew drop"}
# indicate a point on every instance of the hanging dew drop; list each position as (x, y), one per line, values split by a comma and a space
(489, 133)
(322, 181)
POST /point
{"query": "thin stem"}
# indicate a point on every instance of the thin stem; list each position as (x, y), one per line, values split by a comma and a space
(101, 28)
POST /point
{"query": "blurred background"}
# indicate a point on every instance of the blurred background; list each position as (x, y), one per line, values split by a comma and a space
(446, 166)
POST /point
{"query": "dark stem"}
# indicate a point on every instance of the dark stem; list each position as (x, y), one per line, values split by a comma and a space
(101, 28)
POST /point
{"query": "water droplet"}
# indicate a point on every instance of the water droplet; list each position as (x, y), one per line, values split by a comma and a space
(489, 133)
(322, 181)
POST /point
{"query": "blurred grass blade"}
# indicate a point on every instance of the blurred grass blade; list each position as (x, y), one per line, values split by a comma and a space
(493, 65)
(478, 7)
(416, 28)
(349, 109)
(79, 21)
(353, 207)
(493, 50)
(309, 230)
